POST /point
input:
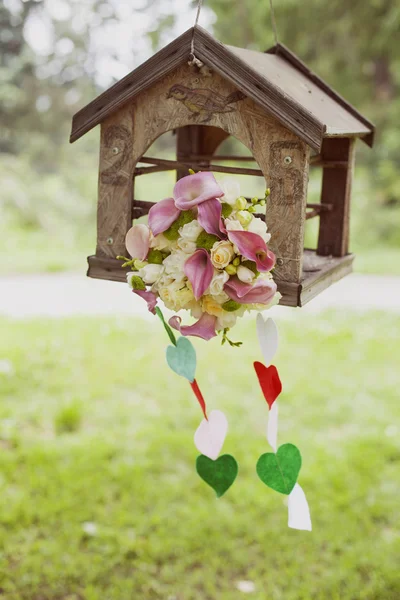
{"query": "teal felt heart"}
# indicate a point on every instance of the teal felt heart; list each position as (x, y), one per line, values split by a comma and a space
(182, 358)
(219, 474)
(280, 471)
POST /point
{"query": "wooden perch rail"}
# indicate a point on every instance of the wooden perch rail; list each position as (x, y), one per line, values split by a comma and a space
(160, 164)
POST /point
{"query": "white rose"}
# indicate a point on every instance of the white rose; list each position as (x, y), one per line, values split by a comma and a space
(233, 225)
(245, 274)
(150, 273)
(221, 298)
(221, 254)
(231, 189)
(190, 231)
(260, 228)
(226, 320)
(218, 282)
(187, 246)
(174, 265)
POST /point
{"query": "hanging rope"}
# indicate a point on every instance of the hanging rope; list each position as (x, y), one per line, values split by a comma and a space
(273, 22)
(193, 60)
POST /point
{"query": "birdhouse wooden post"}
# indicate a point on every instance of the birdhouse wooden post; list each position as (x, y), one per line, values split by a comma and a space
(287, 117)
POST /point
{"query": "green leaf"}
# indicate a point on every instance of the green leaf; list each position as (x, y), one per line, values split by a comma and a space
(226, 210)
(166, 326)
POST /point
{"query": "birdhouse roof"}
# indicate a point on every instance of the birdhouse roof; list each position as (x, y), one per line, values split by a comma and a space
(276, 80)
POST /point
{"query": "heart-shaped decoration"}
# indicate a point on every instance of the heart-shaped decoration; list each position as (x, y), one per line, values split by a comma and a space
(210, 434)
(219, 474)
(280, 471)
(267, 333)
(182, 358)
(269, 381)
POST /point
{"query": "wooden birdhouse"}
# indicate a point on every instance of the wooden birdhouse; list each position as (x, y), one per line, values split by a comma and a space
(287, 117)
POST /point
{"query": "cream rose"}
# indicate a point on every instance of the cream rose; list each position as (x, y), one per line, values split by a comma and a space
(175, 296)
(190, 231)
(221, 254)
(218, 282)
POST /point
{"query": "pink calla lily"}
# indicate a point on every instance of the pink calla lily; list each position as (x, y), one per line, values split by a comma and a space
(199, 270)
(195, 189)
(150, 298)
(210, 217)
(262, 292)
(137, 241)
(252, 246)
(203, 328)
(162, 215)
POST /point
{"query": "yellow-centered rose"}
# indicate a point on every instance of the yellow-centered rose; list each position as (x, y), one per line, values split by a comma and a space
(222, 254)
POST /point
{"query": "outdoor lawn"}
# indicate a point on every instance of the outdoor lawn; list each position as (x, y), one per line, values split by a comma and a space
(99, 494)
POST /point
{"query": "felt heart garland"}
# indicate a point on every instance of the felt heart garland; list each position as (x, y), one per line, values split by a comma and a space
(279, 470)
(209, 437)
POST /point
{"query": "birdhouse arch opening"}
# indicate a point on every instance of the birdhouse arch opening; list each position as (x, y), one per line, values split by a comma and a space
(259, 99)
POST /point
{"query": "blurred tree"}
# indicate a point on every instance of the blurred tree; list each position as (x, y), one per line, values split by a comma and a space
(354, 46)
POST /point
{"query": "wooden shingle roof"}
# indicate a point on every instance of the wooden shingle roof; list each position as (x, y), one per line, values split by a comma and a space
(276, 80)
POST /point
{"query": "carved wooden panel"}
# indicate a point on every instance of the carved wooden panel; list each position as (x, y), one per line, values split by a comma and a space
(187, 97)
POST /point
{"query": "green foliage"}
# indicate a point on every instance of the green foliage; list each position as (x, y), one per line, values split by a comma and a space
(172, 233)
(68, 418)
(226, 209)
(137, 283)
(99, 513)
(206, 240)
(154, 257)
(231, 305)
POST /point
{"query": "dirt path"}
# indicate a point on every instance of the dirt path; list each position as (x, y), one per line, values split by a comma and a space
(65, 294)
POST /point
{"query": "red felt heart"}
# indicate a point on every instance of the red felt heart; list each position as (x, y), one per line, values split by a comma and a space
(269, 381)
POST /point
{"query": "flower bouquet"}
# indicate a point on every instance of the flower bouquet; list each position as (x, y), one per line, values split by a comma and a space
(203, 251)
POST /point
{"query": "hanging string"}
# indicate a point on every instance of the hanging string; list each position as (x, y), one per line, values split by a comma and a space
(193, 59)
(273, 22)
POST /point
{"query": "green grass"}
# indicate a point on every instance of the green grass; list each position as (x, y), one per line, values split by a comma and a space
(99, 496)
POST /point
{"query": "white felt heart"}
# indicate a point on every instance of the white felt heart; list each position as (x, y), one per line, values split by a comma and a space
(299, 512)
(272, 427)
(210, 435)
(267, 333)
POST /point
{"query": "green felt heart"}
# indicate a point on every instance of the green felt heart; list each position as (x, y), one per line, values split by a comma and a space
(219, 474)
(182, 358)
(280, 471)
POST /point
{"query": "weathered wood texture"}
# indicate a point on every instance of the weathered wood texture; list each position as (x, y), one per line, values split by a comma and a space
(278, 85)
(290, 57)
(333, 236)
(186, 97)
(318, 273)
(114, 209)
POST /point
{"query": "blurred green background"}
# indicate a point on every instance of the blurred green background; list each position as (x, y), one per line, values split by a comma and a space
(99, 496)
